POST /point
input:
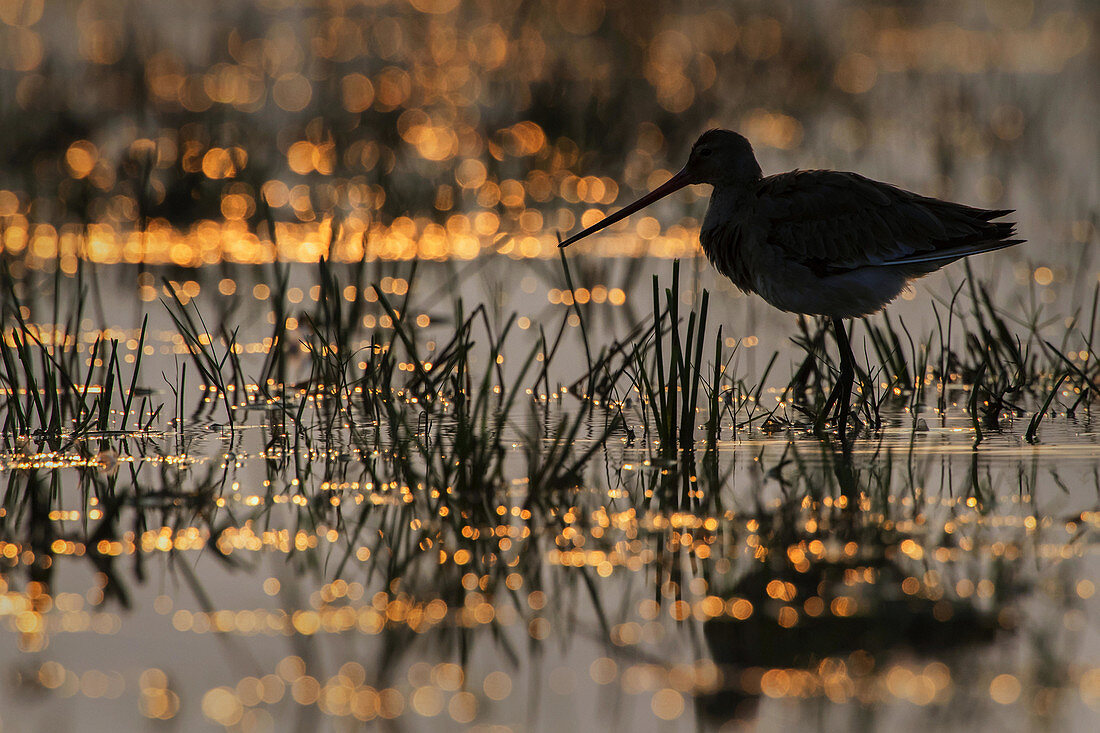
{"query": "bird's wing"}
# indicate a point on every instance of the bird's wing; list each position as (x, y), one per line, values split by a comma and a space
(833, 221)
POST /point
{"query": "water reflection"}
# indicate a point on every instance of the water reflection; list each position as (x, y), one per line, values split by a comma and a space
(846, 600)
(792, 572)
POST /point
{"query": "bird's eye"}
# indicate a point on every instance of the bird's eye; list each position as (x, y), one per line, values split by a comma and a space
(704, 152)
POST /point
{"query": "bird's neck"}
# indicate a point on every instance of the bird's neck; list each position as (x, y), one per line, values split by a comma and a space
(728, 202)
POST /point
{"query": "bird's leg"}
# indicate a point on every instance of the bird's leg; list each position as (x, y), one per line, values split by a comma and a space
(841, 393)
(845, 378)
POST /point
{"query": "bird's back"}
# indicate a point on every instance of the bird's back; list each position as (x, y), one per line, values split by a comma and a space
(791, 233)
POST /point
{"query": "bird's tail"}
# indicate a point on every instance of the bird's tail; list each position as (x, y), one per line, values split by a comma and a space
(979, 235)
(946, 256)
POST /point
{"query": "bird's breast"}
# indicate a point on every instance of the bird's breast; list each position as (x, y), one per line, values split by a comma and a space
(727, 249)
(730, 235)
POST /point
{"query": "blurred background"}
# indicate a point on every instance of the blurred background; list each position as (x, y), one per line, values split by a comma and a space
(196, 133)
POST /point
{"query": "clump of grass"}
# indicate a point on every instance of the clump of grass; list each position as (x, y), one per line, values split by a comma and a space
(906, 371)
(1033, 425)
(48, 399)
(663, 364)
(211, 365)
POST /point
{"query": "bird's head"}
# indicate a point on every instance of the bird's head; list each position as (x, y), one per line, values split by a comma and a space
(722, 157)
(718, 157)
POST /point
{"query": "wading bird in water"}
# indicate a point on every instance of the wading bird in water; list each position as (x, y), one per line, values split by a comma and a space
(821, 243)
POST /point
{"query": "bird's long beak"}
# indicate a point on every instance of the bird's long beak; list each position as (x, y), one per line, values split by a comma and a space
(675, 183)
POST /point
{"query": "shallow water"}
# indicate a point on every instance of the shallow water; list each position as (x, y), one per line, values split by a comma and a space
(915, 580)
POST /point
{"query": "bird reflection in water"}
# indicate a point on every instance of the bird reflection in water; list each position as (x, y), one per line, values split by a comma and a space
(840, 599)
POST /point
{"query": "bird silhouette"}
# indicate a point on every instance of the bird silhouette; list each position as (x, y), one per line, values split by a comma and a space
(819, 242)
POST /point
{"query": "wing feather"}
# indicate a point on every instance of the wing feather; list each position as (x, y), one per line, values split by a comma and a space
(841, 221)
